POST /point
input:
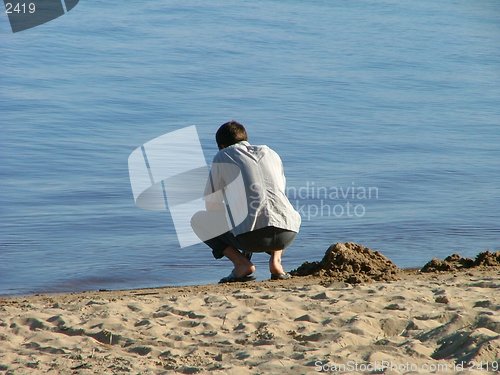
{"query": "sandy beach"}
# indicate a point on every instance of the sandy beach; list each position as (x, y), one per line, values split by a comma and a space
(420, 323)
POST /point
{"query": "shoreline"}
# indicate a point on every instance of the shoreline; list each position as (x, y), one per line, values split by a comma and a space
(296, 281)
(161, 287)
(370, 260)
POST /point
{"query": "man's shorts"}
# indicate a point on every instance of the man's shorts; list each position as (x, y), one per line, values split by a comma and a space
(265, 239)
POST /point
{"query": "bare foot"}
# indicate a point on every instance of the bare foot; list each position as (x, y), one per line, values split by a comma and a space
(275, 266)
(244, 271)
(242, 266)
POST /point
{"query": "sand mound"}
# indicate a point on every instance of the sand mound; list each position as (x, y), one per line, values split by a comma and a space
(455, 262)
(352, 263)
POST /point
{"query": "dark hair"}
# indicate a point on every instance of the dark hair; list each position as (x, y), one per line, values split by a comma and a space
(230, 133)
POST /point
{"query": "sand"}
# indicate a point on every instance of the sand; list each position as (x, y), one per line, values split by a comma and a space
(421, 323)
(455, 262)
(352, 263)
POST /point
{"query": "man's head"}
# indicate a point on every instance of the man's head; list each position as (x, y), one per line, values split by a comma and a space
(230, 133)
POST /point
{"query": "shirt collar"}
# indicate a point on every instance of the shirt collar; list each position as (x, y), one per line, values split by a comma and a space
(240, 143)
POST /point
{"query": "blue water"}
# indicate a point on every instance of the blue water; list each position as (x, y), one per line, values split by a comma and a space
(399, 96)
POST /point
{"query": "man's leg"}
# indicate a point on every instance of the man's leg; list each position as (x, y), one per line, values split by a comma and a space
(242, 265)
(277, 272)
(275, 263)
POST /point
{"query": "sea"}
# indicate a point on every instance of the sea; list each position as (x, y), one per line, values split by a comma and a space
(386, 115)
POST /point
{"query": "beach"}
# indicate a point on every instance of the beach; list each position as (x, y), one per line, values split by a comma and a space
(385, 116)
(418, 323)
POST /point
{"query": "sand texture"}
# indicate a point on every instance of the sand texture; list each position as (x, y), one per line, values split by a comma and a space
(420, 323)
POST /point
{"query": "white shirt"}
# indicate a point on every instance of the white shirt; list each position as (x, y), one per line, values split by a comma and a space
(253, 182)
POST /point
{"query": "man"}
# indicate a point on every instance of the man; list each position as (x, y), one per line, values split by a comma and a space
(246, 186)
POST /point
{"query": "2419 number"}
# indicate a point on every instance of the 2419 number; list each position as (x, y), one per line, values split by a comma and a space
(20, 8)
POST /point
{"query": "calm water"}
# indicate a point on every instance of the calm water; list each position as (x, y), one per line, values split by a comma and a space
(399, 97)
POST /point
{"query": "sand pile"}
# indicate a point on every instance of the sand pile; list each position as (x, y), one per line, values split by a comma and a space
(352, 263)
(455, 262)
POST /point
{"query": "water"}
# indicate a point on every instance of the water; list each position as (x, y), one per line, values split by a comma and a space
(403, 97)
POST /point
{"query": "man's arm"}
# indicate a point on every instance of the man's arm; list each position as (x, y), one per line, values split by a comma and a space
(214, 200)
